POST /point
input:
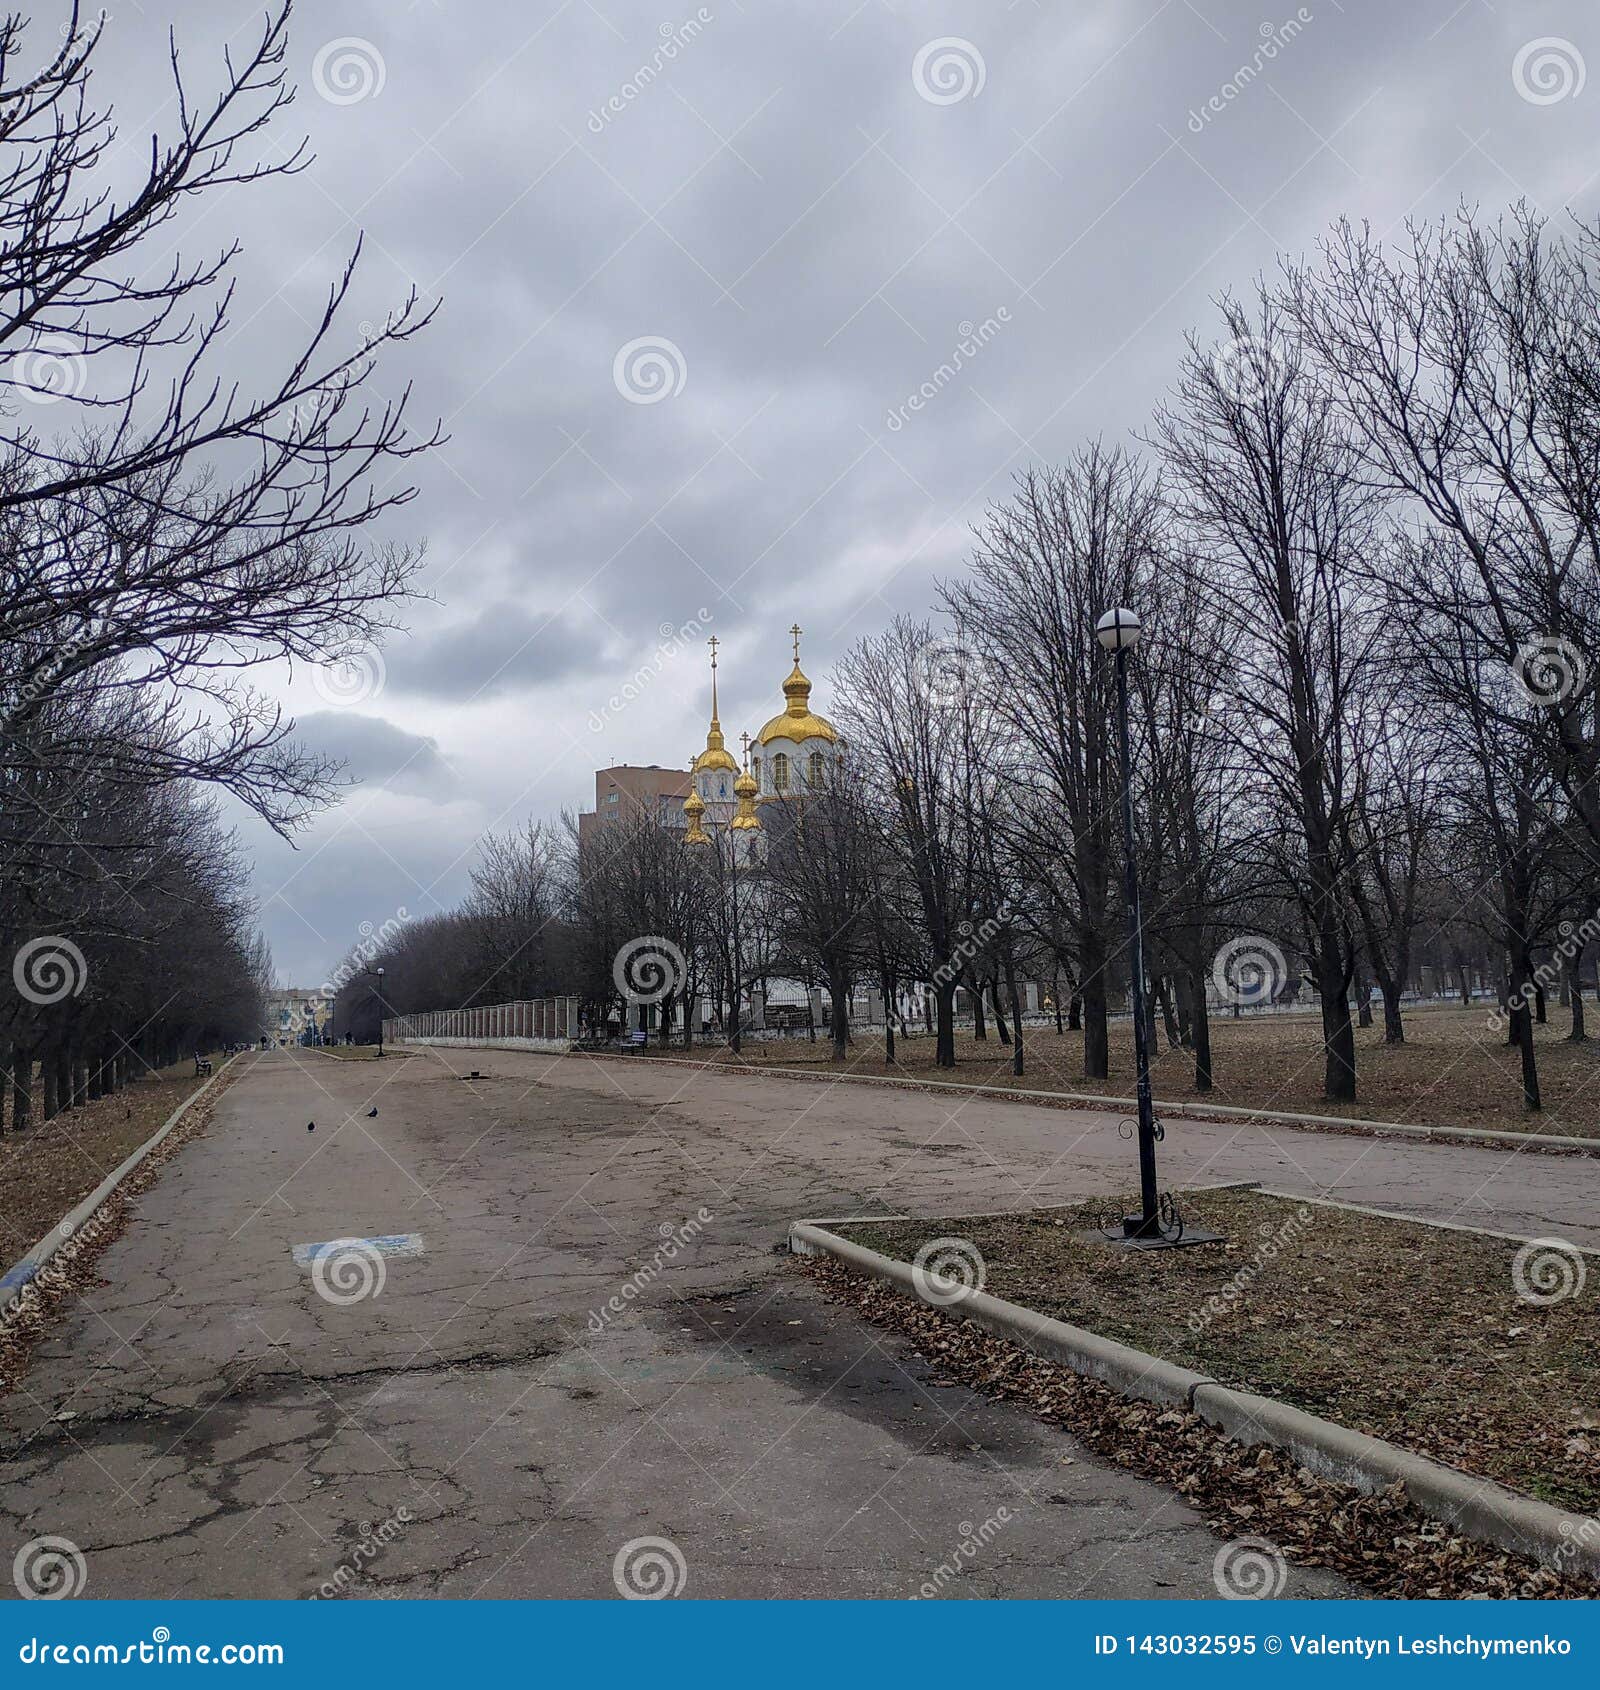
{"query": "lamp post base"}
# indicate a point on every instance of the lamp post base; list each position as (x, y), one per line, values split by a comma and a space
(1166, 1229)
(1136, 1236)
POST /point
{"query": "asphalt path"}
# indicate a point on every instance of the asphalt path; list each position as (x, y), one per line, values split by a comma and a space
(576, 1332)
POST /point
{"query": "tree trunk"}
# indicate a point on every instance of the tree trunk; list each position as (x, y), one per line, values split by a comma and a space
(1169, 1013)
(999, 1020)
(1338, 1036)
(1200, 1030)
(979, 1028)
(1522, 1035)
(1394, 1032)
(1075, 1013)
(839, 992)
(944, 1003)
(1572, 970)
(21, 1090)
(1015, 994)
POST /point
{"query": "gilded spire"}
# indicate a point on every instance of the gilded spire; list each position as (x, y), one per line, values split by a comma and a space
(744, 789)
(797, 722)
(716, 754)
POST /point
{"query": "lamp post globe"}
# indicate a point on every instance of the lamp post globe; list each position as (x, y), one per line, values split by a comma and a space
(1118, 630)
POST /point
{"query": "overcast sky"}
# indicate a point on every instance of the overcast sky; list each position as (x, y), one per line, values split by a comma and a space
(683, 315)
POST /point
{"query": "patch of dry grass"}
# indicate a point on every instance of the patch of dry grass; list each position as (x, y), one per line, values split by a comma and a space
(1452, 1071)
(1411, 1333)
(47, 1170)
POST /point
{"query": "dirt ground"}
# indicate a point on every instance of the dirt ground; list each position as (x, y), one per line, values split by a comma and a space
(45, 1171)
(1443, 1342)
(1454, 1070)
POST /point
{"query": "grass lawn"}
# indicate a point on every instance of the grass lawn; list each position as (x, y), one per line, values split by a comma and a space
(1401, 1330)
(47, 1170)
(1453, 1070)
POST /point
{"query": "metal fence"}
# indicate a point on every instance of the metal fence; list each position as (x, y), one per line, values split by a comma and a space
(537, 1022)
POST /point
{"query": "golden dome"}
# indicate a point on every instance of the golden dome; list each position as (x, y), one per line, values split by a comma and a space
(716, 755)
(744, 788)
(797, 721)
(694, 807)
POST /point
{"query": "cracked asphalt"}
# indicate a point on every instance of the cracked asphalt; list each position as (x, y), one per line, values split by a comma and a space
(207, 1423)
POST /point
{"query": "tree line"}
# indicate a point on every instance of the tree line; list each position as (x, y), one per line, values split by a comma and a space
(165, 529)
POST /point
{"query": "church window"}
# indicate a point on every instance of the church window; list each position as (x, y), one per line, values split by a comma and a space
(780, 772)
(814, 769)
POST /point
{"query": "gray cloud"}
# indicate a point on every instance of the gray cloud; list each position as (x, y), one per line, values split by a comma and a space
(506, 648)
(377, 753)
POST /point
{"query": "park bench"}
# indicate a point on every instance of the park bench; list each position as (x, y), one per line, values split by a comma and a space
(637, 1039)
(202, 1065)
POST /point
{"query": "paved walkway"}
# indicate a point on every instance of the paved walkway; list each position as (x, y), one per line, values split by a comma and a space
(208, 1424)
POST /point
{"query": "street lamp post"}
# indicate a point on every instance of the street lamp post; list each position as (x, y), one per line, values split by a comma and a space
(377, 993)
(1158, 1222)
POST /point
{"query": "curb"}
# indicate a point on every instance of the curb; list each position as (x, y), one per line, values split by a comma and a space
(1556, 1143)
(1128, 1370)
(15, 1280)
(1569, 1543)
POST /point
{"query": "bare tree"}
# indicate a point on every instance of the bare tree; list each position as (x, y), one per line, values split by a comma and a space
(1069, 545)
(1264, 474)
(904, 736)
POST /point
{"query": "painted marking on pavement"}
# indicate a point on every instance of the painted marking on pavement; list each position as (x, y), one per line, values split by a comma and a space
(386, 1244)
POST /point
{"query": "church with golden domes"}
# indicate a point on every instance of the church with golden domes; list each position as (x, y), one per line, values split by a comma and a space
(789, 757)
